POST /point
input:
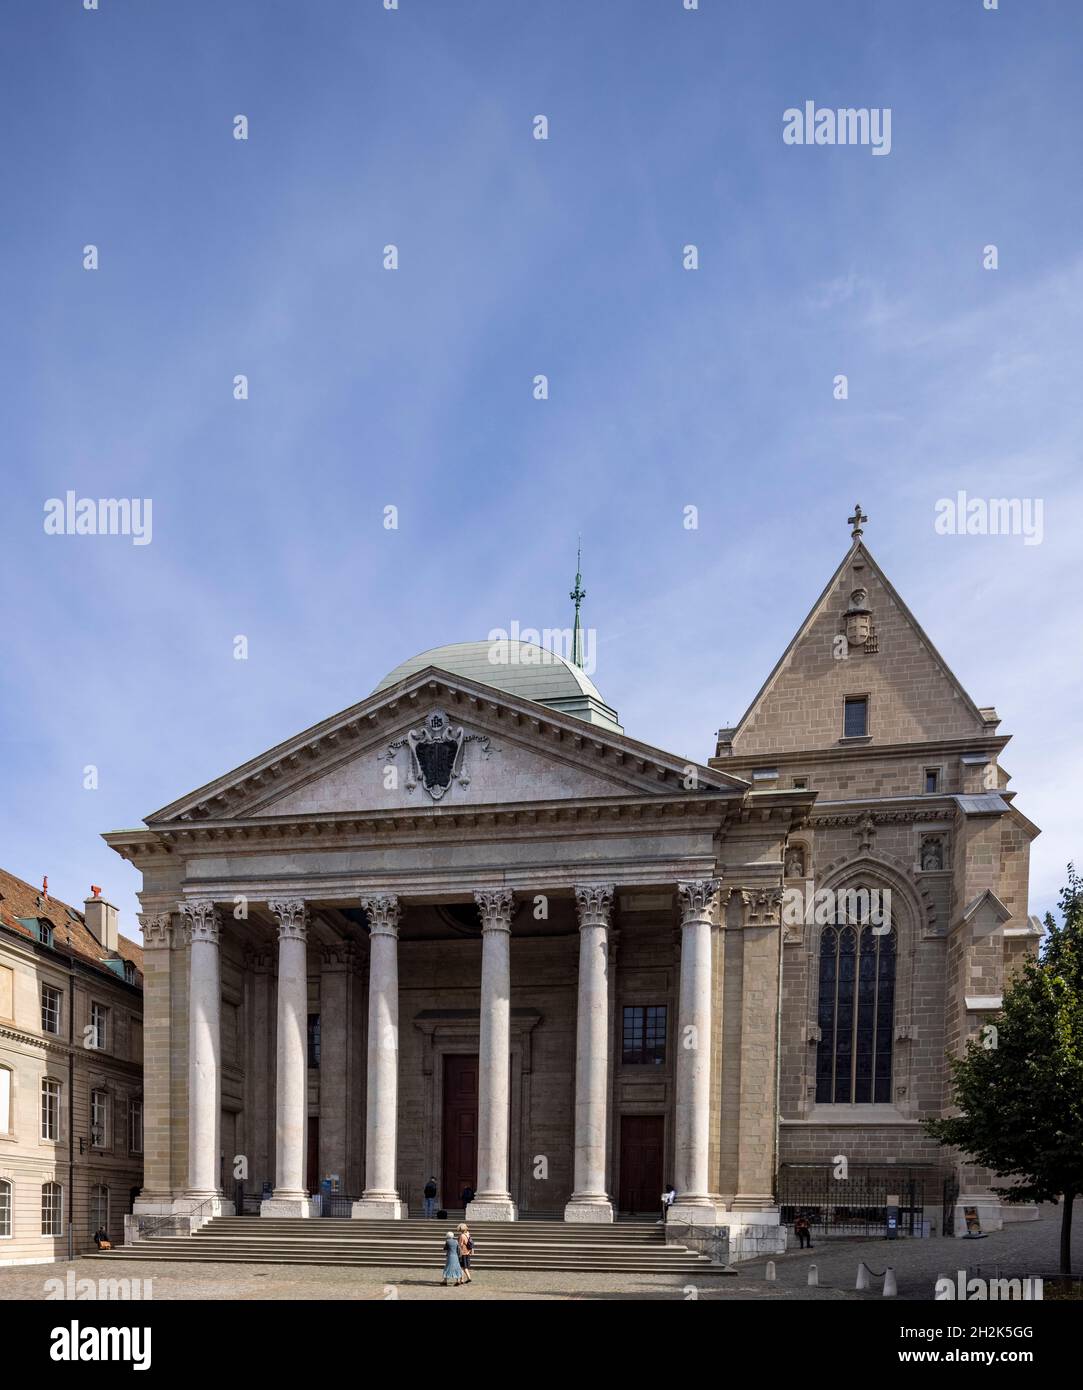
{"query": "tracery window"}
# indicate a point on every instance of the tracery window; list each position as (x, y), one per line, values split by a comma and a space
(856, 1014)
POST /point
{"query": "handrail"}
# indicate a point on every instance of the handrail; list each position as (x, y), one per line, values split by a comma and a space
(152, 1226)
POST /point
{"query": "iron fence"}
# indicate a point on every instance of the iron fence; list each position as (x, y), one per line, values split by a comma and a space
(856, 1205)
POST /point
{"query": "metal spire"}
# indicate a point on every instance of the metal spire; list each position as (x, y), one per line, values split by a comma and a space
(577, 595)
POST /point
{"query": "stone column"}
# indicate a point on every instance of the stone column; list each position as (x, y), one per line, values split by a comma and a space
(204, 924)
(380, 1199)
(493, 1200)
(157, 1192)
(291, 1197)
(698, 899)
(590, 1201)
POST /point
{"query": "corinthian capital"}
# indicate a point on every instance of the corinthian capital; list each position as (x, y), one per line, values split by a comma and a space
(157, 930)
(202, 919)
(594, 902)
(495, 908)
(698, 898)
(292, 917)
(383, 911)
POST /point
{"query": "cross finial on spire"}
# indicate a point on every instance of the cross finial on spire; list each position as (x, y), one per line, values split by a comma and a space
(856, 522)
(577, 595)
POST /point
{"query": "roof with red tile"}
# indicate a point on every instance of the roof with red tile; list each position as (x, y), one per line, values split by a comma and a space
(70, 931)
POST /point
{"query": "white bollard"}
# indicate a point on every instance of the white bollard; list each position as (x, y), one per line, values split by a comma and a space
(813, 1274)
(770, 1273)
(862, 1276)
(890, 1287)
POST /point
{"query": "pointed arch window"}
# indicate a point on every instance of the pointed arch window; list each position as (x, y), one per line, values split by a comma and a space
(856, 1014)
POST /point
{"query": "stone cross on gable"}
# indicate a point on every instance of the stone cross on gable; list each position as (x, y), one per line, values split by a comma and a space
(857, 521)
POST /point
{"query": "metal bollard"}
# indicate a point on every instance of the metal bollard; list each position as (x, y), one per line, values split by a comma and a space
(890, 1287)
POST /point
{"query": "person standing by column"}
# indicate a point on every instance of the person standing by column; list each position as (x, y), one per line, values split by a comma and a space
(430, 1199)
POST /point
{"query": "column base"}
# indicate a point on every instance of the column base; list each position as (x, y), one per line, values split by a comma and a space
(492, 1209)
(693, 1212)
(379, 1209)
(290, 1206)
(589, 1210)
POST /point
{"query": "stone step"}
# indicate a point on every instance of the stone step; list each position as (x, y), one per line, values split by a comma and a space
(403, 1260)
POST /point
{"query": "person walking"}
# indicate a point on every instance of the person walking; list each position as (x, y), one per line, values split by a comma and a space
(430, 1199)
(453, 1270)
(466, 1251)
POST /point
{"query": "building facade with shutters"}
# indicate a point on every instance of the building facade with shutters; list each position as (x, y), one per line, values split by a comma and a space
(71, 1074)
(469, 929)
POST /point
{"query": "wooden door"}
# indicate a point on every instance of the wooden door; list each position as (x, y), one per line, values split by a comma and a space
(460, 1128)
(642, 1145)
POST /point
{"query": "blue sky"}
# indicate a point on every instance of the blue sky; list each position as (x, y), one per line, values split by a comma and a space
(413, 388)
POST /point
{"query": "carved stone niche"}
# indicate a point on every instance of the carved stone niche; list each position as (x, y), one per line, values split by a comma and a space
(931, 858)
(795, 862)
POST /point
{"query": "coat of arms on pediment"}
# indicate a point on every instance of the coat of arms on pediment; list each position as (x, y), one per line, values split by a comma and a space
(437, 749)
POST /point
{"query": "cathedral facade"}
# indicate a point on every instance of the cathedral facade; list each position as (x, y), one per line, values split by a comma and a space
(469, 930)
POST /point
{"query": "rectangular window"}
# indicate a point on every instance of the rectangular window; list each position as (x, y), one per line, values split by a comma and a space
(50, 1009)
(7, 993)
(5, 1100)
(99, 1026)
(99, 1119)
(314, 1041)
(50, 1109)
(856, 717)
(800, 784)
(644, 1035)
(98, 1210)
(932, 779)
(135, 1126)
(52, 1209)
(5, 1209)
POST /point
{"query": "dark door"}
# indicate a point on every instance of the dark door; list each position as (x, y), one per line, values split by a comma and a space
(460, 1128)
(312, 1163)
(642, 1139)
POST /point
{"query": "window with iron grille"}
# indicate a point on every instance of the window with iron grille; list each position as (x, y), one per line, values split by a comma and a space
(644, 1034)
(314, 1041)
(50, 1009)
(99, 1119)
(50, 1108)
(52, 1209)
(856, 1015)
(856, 717)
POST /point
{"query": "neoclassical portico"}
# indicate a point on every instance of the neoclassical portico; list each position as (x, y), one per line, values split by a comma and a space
(515, 964)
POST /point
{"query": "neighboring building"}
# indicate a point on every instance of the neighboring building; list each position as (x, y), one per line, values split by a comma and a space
(470, 927)
(71, 1074)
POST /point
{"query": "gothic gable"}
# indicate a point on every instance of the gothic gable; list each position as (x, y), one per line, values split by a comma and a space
(860, 639)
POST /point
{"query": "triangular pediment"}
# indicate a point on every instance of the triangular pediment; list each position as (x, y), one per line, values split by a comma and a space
(498, 749)
(913, 694)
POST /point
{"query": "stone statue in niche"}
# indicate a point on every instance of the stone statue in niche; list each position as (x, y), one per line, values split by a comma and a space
(795, 862)
(932, 853)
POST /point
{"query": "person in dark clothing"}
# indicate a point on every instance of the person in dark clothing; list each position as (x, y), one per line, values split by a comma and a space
(430, 1199)
(803, 1231)
(467, 1196)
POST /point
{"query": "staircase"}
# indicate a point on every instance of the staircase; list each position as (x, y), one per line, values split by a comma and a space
(634, 1247)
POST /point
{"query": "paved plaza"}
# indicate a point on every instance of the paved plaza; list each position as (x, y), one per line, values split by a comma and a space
(1021, 1249)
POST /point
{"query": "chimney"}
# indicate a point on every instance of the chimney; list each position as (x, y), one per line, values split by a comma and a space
(101, 920)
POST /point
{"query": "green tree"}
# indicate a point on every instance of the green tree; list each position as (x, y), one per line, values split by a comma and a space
(1019, 1091)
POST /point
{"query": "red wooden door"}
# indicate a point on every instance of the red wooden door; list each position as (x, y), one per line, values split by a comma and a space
(460, 1128)
(642, 1140)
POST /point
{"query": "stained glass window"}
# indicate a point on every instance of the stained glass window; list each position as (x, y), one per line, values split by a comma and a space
(856, 1015)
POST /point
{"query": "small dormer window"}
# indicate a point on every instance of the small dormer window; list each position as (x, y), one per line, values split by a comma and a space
(45, 933)
(932, 780)
(129, 972)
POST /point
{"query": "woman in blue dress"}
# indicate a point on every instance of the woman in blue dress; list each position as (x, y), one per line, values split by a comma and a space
(453, 1270)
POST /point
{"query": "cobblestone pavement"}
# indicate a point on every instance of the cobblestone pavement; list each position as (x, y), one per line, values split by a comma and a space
(1021, 1249)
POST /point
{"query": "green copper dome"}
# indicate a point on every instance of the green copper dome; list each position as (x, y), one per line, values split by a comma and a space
(519, 668)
